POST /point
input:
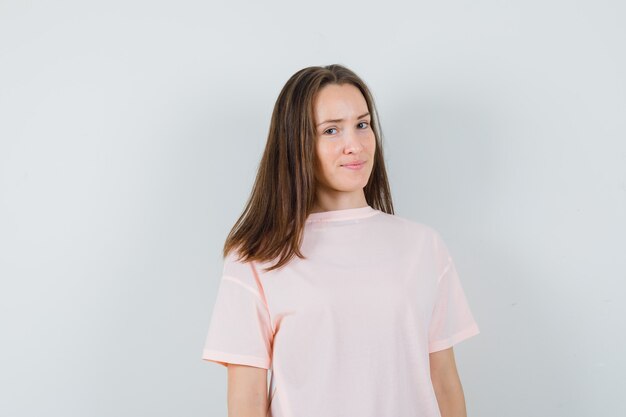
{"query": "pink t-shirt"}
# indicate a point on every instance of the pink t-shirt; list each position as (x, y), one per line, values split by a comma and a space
(347, 331)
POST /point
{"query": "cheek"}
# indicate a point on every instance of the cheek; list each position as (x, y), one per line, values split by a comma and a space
(325, 155)
(372, 143)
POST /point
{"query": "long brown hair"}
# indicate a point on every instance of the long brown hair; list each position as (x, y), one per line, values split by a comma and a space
(272, 222)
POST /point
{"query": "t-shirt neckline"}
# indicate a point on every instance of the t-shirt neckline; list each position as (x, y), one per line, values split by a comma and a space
(341, 214)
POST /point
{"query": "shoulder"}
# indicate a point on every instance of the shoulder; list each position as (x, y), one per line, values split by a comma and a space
(423, 238)
(243, 271)
(409, 227)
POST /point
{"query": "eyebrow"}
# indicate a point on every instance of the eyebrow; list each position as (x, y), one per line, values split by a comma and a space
(341, 120)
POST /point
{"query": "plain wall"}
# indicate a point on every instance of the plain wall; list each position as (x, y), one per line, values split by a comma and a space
(130, 133)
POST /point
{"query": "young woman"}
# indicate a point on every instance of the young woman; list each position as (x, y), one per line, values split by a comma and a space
(352, 309)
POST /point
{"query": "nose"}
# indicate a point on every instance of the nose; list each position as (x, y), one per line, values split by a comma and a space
(353, 143)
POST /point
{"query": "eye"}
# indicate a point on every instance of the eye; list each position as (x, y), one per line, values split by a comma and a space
(365, 123)
(332, 128)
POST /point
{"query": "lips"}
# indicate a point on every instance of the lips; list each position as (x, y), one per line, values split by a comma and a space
(353, 164)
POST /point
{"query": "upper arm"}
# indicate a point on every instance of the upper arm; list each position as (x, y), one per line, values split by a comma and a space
(247, 390)
(446, 383)
(443, 371)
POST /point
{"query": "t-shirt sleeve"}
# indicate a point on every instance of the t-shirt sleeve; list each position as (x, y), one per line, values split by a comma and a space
(240, 330)
(452, 320)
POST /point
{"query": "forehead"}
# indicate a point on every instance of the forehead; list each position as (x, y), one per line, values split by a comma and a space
(339, 101)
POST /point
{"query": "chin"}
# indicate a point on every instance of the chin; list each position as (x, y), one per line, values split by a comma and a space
(348, 188)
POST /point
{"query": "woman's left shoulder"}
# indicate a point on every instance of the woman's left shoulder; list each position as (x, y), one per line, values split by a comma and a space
(412, 227)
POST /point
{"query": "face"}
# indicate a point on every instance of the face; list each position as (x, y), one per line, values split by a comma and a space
(343, 136)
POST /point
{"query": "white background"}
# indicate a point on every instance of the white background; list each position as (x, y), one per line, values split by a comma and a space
(130, 133)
